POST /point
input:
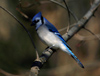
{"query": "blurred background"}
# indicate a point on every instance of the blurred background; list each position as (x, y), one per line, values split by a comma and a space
(16, 50)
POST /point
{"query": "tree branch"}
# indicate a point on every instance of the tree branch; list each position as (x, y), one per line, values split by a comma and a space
(47, 53)
(81, 23)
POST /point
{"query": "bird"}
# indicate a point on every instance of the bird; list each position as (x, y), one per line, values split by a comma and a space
(50, 36)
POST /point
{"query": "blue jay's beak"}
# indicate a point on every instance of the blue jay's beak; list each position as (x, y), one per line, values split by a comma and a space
(33, 23)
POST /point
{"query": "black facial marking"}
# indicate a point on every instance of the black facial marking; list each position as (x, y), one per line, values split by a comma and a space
(42, 20)
(36, 21)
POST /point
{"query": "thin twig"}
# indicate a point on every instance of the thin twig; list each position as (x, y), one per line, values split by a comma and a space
(68, 16)
(84, 38)
(74, 16)
(23, 14)
(96, 36)
(21, 25)
(91, 33)
(62, 29)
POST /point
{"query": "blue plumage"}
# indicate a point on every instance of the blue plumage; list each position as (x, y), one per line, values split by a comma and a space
(50, 35)
(37, 15)
(50, 26)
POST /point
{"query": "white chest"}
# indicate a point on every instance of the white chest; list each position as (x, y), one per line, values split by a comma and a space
(48, 37)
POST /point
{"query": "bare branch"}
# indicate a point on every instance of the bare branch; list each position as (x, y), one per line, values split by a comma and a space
(81, 23)
(34, 71)
(37, 64)
(79, 37)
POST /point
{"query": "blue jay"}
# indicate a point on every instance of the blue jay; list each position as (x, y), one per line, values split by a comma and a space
(50, 36)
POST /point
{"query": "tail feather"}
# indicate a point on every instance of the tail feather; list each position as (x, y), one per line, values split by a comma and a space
(68, 50)
(77, 60)
(74, 57)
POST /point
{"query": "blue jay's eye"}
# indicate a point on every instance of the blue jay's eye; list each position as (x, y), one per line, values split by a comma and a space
(36, 21)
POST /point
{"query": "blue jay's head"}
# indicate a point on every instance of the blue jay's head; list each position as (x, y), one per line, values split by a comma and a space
(37, 19)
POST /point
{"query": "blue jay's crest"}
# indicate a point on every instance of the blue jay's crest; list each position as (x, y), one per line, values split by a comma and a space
(37, 15)
(37, 19)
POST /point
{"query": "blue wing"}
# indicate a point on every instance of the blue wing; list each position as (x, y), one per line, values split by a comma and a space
(52, 28)
(58, 34)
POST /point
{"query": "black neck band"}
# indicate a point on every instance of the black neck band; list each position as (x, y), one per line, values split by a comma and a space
(42, 20)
